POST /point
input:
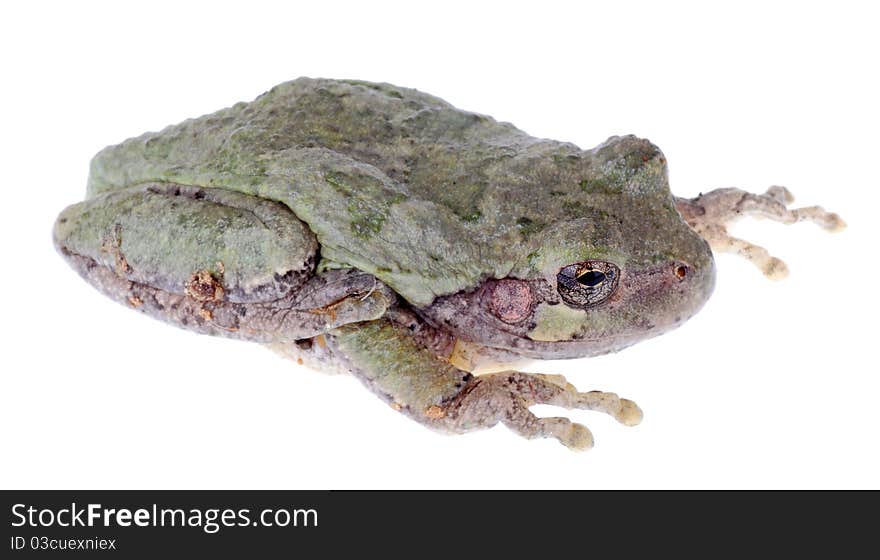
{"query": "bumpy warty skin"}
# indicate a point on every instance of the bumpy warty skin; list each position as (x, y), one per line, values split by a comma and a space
(428, 198)
(380, 231)
(434, 202)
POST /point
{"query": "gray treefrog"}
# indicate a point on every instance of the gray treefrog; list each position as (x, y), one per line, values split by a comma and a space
(424, 249)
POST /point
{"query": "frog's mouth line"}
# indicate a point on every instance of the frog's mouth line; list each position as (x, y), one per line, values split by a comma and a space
(582, 348)
(648, 303)
(586, 347)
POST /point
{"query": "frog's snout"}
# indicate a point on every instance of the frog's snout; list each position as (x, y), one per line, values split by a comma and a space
(700, 276)
(689, 285)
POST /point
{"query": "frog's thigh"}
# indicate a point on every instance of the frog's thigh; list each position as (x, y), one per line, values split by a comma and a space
(434, 392)
(210, 260)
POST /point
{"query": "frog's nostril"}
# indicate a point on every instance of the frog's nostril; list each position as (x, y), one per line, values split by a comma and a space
(681, 271)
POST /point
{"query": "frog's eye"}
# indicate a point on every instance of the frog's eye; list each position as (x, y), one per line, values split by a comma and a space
(587, 283)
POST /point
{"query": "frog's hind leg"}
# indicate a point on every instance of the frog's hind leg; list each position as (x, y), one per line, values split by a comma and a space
(709, 215)
(214, 261)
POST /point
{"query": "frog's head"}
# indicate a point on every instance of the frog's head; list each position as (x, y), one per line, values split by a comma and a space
(626, 268)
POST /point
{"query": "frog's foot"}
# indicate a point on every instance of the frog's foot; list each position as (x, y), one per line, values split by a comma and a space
(710, 213)
(506, 397)
(413, 379)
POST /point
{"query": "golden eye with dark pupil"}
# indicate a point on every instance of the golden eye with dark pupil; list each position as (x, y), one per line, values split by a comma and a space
(587, 284)
(591, 278)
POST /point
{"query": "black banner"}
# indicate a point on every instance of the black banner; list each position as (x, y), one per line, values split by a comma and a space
(130, 524)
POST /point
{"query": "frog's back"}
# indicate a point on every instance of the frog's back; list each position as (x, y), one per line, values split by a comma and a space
(429, 198)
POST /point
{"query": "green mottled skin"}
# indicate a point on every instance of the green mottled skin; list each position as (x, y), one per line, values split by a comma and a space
(397, 365)
(428, 198)
(382, 229)
(253, 239)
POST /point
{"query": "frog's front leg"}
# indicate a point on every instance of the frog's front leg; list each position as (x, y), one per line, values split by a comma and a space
(710, 213)
(416, 381)
(506, 397)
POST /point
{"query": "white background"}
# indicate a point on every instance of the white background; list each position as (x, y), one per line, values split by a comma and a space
(773, 384)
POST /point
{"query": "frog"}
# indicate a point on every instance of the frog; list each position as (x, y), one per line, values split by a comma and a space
(428, 251)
